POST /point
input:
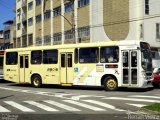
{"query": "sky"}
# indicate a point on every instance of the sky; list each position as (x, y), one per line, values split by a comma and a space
(6, 11)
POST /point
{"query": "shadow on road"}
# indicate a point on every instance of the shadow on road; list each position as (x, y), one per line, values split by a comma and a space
(4, 81)
(136, 89)
(83, 88)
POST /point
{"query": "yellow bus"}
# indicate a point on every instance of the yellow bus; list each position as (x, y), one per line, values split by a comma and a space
(1, 63)
(111, 64)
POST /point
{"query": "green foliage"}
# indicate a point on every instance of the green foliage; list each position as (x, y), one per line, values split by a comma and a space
(153, 107)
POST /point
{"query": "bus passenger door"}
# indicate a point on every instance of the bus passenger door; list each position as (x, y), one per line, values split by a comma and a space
(130, 67)
(66, 67)
(23, 68)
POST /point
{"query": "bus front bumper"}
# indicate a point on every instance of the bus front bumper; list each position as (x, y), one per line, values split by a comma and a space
(147, 84)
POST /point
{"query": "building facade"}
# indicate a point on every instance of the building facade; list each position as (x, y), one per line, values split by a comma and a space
(1, 39)
(9, 34)
(51, 22)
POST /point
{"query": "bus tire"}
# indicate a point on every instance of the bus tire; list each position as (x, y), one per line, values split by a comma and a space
(36, 81)
(110, 84)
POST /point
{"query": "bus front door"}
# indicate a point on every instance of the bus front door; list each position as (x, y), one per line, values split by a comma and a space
(66, 67)
(130, 68)
(23, 68)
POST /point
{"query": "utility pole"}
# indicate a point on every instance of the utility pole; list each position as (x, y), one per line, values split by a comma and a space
(73, 21)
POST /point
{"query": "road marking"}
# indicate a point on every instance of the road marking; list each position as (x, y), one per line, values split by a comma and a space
(59, 95)
(77, 97)
(144, 96)
(84, 105)
(103, 105)
(80, 96)
(137, 105)
(131, 99)
(44, 107)
(66, 107)
(2, 109)
(18, 106)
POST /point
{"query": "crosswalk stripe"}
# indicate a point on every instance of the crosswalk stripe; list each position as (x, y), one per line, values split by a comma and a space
(103, 105)
(44, 107)
(144, 96)
(18, 106)
(132, 99)
(66, 107)
(84, 105)
(137, 105)
(2, 109)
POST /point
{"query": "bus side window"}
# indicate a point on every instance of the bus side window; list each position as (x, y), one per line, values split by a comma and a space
(109, 54)
(89, 55)
(50, 56)
(125, 59)
(134, 58)
(76, 56)
(36, 57)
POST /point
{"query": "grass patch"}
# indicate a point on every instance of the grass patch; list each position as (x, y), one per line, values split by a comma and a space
(154, 107)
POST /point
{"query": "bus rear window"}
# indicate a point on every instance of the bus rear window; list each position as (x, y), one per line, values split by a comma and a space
(11, 58)
(1, 62)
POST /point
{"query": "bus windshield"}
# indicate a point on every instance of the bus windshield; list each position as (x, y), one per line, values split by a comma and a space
(146, 56)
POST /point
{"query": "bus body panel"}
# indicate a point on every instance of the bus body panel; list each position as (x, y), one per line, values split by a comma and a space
(68, 71)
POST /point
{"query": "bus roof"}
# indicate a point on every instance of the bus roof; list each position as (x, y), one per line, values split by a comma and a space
(110, 43)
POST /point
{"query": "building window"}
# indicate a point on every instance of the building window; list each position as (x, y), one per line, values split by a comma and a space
(30, 21)
(18, 26)
(84, 32)
(141, 31)
(18, 0)
(30, 6)
(18, 42)
(24, 41)
(57, 36)
(30, 39)
(18, 14)
(57, 11)
(68, 7)
(38, 41)
(82, 3)
(69, 35)
(38, 2)
(158, 31)
(47, 40)
(38, 18)
(146, 7)
(47, 15)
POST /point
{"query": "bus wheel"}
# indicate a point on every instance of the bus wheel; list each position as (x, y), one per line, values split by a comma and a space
(110, 84)
(36, 81)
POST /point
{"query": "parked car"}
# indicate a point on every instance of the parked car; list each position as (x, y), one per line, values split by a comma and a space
(156, 77)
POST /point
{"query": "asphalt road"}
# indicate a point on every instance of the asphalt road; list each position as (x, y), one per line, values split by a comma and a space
(23, 102)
